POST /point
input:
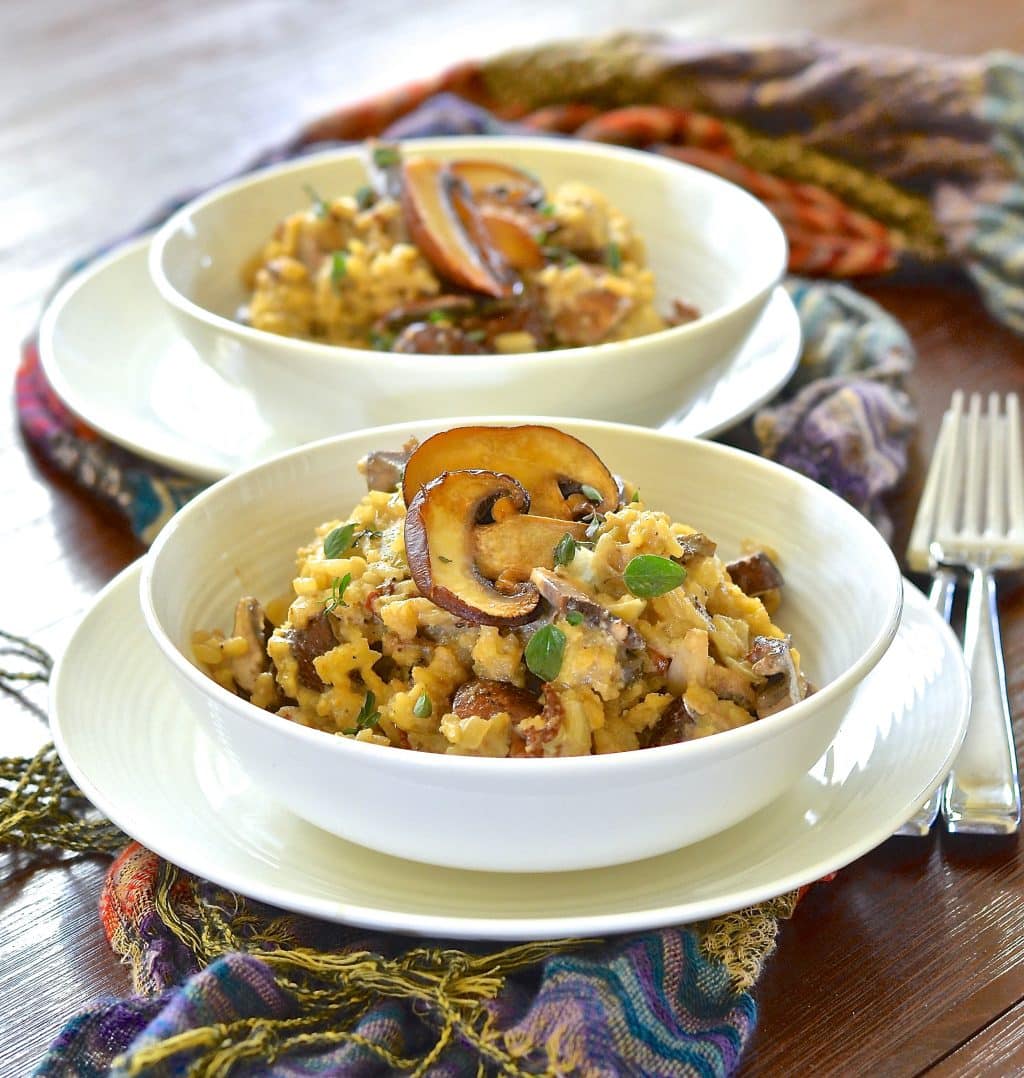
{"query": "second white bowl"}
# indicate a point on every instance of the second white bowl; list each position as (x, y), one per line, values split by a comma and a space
(709, 243)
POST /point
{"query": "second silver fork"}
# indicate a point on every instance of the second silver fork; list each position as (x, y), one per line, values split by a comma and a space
(980, 528)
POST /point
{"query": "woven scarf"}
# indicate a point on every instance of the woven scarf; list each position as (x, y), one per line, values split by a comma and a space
(876, 162)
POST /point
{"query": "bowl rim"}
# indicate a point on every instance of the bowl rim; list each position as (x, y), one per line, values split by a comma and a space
(773, 232)
(738, 739)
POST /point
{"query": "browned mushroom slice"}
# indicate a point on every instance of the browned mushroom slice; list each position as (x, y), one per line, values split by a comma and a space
(510, 233)
(441, 549)
(251, 624)
(549, 463)
(485, 699)
(310, 643)
(771, 659)
(445, 225)
(673, 726)
(493, 179)
(755, 574)
(517, 545)
(566, 597)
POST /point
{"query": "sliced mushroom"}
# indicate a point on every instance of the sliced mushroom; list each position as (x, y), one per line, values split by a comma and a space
(770, 658)
(441, 549)
(445, 224)
(308, 644)
(564, 597)
(755, 574)
(498, 181)
(485, 699)
(252, 625)
(512, 548)
(550, 464)
(510, 232)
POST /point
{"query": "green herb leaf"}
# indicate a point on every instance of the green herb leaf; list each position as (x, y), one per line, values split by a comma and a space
(636, 496)
(574, 617)
(368, 715)
(477, 335)
(365, 196)
(381, 342)
(339, 266)
(649, 575)
(338, 586)
(386, 156)
(339, 540)
(548, 209)
(592, 494)
(437, 316)
(565, 551)
(447, 561)
(544, 652)
(423, 707)
(613, 256)
(320, 208)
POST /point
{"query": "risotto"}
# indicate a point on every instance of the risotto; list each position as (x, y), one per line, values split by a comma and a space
(540, 610)
(460, 257)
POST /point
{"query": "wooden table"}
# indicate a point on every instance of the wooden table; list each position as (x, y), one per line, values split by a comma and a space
(913, 959)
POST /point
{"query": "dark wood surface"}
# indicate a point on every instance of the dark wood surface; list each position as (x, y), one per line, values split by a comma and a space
(913, 958)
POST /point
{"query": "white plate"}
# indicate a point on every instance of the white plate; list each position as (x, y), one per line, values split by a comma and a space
(115, 358)
(135, 751)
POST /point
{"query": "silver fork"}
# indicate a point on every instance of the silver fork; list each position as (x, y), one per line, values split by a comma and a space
(980, 528)
(943, 588)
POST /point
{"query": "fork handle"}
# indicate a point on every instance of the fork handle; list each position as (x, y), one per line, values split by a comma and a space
(940, 599)
(982, 795)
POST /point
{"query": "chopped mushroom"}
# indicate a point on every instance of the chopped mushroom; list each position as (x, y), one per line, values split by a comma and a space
(770, 658)
(436, 339)
(756, 574)
(695, 545)
(485, 699)
(565, 596)
(384, 468)
(673, 726)
(419, 309)
(252, 625)
(308, 644)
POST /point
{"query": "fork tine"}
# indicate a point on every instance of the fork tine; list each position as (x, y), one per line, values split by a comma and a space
(923, 530)
(1015, 468)
(974, 468)
(995, 471)
(949, 495)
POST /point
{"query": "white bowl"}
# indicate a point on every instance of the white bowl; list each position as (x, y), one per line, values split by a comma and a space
(842, 602)
(709, 243)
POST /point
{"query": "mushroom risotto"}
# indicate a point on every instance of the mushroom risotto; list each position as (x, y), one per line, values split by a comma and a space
(463, 257)
(498, 592)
